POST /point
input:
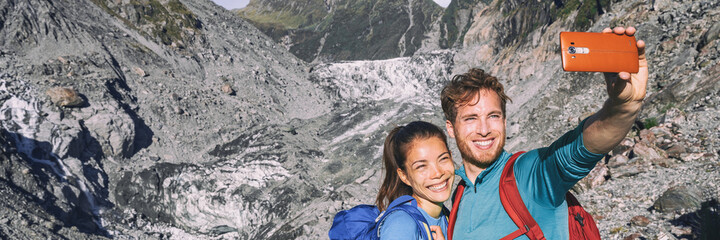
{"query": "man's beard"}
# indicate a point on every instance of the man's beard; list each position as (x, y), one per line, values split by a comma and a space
(485, 159)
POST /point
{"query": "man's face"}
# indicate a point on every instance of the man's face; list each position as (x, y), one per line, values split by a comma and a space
(479, 129)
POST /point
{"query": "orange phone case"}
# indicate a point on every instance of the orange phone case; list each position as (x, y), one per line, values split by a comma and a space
(598, 52)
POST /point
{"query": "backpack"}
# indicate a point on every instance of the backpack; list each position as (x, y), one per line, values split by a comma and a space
(580, 223)
(363, 221)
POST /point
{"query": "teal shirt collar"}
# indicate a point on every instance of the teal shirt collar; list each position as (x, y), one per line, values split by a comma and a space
(498, 163)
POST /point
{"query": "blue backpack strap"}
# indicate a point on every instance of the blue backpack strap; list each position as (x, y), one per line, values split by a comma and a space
(402, 200)
(412, 210)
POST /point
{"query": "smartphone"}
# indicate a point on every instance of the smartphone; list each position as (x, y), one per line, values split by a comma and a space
(598, 52)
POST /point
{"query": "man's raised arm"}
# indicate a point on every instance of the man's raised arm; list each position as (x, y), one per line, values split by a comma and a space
(605, 129)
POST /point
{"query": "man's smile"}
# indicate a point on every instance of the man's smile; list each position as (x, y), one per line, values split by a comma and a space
(483, 144)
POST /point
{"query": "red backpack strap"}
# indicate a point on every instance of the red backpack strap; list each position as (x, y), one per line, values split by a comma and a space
(514, 206)
(455, 204)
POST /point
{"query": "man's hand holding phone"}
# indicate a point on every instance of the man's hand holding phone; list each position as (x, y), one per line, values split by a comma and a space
(625, 87)
(626, 91)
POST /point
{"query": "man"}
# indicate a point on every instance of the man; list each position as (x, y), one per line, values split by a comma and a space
(474, 107)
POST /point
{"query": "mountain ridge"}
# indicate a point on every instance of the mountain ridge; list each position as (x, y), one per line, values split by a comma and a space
(326, 31)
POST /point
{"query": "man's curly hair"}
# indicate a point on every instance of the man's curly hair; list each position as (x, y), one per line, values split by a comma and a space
(462, 88)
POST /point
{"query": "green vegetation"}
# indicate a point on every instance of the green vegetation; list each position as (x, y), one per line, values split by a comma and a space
(168, 25)
(650, 122)
(278, 20)
(166, 21)
(351, 29)
(283, 17)
(705, 63)
(667, 107)
(450, 33)
(617, 230)
(587, 12)
(564, 12)
(101, 4)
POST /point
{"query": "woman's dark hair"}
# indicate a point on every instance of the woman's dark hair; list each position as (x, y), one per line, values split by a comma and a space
(397, 144)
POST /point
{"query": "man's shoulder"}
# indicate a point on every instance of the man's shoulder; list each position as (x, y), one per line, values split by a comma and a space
(529, 156)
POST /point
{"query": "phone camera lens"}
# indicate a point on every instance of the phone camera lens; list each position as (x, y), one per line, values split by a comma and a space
(571, 50)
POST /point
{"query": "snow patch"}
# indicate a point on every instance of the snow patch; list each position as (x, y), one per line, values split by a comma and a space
(407, 79)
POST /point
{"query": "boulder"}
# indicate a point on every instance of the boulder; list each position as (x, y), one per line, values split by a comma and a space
(618, 160)
(640, 221)
(679, 198)
(65, 97)
(676, 151)
(674, 116)
(227, 89)
(689, 157)
(709, 36)
(628, 170)
(647, 137)
(662, 132)
(114, 131)
(140, 72)
(634, 236)
(648, 152)
(624, 147)
(663, 162)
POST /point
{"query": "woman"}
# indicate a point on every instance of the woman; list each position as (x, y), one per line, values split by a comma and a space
(418, 163)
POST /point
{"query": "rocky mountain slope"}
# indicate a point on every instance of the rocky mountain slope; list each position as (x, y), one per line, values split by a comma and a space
(153, 86)
(328, 31)
(166, 119)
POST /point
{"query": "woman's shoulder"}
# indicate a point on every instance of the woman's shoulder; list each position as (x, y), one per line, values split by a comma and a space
(398, 215)
(398, 224)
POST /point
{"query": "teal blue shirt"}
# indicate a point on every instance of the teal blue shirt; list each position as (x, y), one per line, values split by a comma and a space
(543, 177)
(401, 226)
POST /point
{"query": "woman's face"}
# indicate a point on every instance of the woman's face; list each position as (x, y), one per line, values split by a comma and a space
(429, 170)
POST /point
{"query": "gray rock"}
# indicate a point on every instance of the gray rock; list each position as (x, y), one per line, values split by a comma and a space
(676, 151)
(634, 236)
(115, 132)
(618, 160)
(689, 157)
(674, 116)
(663, 162)
(624, 147)
(679, 198)
(51, 225)
(628, 170)
(666, 235)
(223, 229)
